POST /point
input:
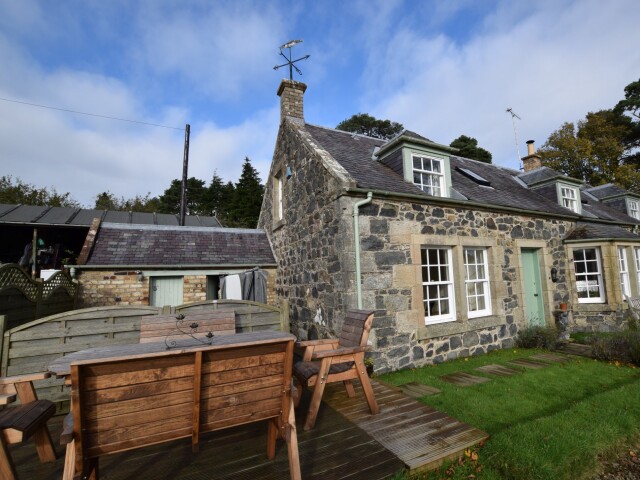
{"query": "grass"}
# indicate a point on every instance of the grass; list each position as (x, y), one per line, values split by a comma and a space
(550, 423)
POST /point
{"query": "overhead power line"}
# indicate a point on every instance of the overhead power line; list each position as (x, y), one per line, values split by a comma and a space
(90, 114)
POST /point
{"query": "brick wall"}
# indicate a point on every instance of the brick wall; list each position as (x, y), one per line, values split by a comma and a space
(106, 288)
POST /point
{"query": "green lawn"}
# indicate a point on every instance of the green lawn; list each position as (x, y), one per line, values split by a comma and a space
(544, 424)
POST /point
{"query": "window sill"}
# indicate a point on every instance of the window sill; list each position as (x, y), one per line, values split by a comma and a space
(278, 225)
(454, 328)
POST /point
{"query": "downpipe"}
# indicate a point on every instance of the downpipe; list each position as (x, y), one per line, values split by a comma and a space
(356, 240)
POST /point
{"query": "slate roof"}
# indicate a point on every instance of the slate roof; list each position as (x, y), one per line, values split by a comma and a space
(82, 217)
(599, 231)
(354, 153)
(169, 246)
(542, 174)
(606, 191)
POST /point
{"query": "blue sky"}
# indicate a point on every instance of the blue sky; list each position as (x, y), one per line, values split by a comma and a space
(442, 68)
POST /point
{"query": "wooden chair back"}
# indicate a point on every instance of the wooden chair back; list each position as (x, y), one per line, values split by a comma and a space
(158, 328)
(125, 403)
(356, 327)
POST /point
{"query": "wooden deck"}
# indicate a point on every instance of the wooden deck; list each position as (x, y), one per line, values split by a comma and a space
(420, 436)
(406, 434)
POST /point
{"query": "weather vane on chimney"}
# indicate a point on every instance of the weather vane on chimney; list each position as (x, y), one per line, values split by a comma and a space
(288, 59)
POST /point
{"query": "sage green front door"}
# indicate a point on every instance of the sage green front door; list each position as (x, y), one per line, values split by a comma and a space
(532, 295)
(166, 291)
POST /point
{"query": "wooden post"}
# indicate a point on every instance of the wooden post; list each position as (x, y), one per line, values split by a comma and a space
(185, 167)
(34, 251)
(4, 347)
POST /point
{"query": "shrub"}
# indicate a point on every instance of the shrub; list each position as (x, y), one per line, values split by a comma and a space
(537, 337)
(624, 346)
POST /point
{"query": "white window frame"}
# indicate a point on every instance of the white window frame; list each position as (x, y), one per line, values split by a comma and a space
(429, 283)
(600, 298)
(477, 286)
(636, 253)
(570, 198)
(426, 178)
(623, 266)
(633, 208)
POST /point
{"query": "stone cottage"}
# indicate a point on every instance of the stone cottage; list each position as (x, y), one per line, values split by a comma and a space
(453, 254)
(134, 264)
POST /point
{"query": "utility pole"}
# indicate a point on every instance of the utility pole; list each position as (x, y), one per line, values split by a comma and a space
(185, 168)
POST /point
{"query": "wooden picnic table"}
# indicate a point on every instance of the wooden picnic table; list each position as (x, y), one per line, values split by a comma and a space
(61, 367)
(136, 395)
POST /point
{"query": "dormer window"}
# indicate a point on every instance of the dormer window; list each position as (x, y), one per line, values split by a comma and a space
(569, 198)
(428, 175)
(633, 209)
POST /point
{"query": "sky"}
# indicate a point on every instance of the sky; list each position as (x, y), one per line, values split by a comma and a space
(441, 68)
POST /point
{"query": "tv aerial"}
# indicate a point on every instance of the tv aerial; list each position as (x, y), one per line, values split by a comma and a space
(291, 63)
(514, 115)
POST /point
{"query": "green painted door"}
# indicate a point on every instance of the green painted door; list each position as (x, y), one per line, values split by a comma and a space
(166, 291)
(533, 304)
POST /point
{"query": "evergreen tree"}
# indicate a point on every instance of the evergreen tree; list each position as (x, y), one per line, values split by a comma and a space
(218, 197)
(169, 202)
(469, 148)
(244, 209)
(365, 124)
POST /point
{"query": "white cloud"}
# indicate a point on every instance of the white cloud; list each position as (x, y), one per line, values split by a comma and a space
(220, 48)
(550, 62)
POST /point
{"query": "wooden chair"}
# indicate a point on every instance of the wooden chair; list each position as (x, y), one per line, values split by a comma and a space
(336, 360)
(634, 306)
(21, 422)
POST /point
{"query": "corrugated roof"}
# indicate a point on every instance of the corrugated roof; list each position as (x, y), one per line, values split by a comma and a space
(82, 217)
(154, 245)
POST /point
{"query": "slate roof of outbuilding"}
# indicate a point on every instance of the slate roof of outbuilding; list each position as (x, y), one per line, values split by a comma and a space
(169, 246)
(599, 231)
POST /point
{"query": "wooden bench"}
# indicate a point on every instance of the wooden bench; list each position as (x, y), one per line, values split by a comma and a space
(19, 423)
(172, 328)
(131, 402)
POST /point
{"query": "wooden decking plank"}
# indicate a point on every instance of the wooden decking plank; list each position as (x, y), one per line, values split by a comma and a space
(418, 390)
(498, 370)
(463, 379)
(418, 434)
(551, 358)
(528, 363)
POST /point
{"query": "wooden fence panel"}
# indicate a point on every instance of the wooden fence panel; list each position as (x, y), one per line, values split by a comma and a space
(23, 299)
(250, 316)
(31, 347)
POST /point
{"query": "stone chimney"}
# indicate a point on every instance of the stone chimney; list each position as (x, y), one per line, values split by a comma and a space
(532, 160)
(291, 95)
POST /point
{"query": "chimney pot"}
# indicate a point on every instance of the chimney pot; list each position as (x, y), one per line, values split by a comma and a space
(532, 160)
(530, 147)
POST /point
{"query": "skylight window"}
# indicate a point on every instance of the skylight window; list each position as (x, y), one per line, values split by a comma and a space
(474, 176)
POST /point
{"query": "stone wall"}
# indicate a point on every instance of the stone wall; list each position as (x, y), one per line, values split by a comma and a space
(308, 242)
(314, 248)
